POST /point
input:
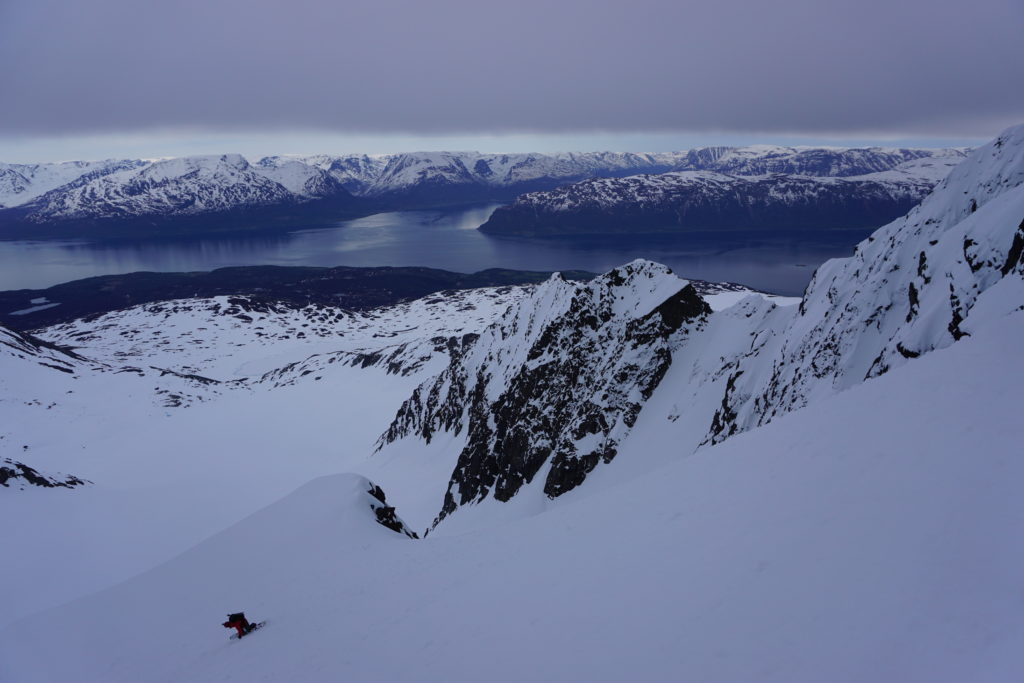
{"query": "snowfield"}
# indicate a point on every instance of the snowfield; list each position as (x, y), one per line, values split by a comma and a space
(611, 480)
(813, 549)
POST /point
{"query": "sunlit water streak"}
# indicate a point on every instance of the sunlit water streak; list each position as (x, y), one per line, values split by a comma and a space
(448, 239)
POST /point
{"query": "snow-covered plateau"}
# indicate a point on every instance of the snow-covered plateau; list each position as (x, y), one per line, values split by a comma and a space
(624, 479)
(135, 197)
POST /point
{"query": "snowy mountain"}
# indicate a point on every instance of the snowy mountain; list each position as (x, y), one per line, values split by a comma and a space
(129, 198)
(710, 200)
(908, 290)
(512, 174)
(758, 160)
(670, 484)
(205, 192)
(556, 383)
(21, 183)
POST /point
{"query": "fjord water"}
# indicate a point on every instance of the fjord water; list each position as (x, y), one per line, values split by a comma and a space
(780, 262)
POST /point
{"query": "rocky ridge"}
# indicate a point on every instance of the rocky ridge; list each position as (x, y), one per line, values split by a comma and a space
(525, 404)
(557, 382)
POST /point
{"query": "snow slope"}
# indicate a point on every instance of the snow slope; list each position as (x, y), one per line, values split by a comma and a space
(825, 491)
(813, 549)
(256, 397)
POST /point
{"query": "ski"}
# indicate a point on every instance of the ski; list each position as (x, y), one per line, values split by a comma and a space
(252, 627)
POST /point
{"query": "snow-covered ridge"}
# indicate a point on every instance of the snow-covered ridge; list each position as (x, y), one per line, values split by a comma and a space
(384, 174)
(186, 186)
(703, 199)
(914, 286)
(21, 183)
(201, 185)
(954, 263)
(557, 382)
(814, 161)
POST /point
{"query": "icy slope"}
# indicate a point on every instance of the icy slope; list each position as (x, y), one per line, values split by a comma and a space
(813, 549)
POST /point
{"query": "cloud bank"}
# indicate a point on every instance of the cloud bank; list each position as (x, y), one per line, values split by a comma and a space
(462, 66)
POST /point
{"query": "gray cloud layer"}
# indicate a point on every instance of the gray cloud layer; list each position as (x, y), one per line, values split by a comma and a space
(921, 66)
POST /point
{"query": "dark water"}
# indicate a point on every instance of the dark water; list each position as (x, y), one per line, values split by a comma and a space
(448, 239)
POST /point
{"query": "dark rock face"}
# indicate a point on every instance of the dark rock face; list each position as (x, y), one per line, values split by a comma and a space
(386, 515)
(14, 473)
(1015, 254)
(29, 347)
(558, 382)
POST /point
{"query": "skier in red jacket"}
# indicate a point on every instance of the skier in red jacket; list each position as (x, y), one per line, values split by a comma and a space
(239, 622)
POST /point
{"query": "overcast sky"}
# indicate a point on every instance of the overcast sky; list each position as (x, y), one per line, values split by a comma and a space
(186, 76)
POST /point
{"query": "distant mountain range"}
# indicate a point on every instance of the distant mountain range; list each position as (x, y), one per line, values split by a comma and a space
(166, 197)
(752, 195)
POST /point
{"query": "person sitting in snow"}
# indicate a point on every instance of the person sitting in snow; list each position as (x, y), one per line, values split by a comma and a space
(239, 622)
